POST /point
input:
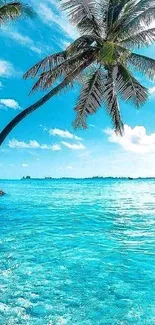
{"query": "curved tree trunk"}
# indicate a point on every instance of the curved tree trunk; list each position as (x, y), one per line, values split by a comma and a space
(10, 126)
(28, 111)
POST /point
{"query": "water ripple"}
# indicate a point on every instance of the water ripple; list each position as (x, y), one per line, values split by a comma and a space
(77, 252)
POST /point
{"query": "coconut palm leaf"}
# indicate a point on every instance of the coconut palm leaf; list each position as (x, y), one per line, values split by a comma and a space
(145, 18)
(133, 16)
(90, 98)
(55, 60)
(12, 10)
(111, 101)
(47, 63)
(110, 53)
(143, 64)
(47, 78)
(84, 14)
(142, 38)
(114, 10)
(143, 5)
(125, 10)
(129, 87)
(82, 43)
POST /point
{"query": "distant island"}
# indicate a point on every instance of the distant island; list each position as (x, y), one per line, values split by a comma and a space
(87, 178)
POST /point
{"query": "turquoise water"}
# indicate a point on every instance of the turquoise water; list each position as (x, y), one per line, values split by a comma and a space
(77, 252)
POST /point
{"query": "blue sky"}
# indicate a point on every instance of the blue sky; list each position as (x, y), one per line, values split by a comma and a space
(45, 144)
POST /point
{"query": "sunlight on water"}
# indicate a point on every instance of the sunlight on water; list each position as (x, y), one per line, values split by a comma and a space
(77, 252)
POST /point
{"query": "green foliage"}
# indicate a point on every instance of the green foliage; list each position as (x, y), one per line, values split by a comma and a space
(110, 30)
(13, 10)
(90, 98)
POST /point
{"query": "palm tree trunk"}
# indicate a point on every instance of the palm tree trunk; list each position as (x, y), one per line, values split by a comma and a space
(29, 110)
(10, 126)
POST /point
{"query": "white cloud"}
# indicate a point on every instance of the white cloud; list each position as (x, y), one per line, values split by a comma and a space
(70, 167)
(25, 165)
(64, 43)
(66, 167)
(85, 155)
(6, 69)
(56, 147)
(25, 40)
(152, 91)
(10, 103)
(63, 134)
(78, 146)
(134, 139)
(49, 17)
(33, 144)
(23, 145)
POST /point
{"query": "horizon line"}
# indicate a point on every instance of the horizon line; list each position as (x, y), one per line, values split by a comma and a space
(77, 178)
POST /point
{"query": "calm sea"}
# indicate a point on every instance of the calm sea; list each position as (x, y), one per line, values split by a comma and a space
(76, 252)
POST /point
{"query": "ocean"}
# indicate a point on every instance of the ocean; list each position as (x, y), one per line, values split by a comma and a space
(77, 252)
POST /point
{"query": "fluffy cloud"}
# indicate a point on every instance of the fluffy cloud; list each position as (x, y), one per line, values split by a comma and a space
(6, 69)
(56, 17)
(25, 165)
(24, 40)
(66, 167)
(10, 103)
(64, 134)
(152, 91)
(78, 146)
(134, 139)
(33, 144)
(70, 167)
(56, 147)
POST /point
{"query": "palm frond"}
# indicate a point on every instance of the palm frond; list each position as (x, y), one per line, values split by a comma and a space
(81, 43)
(47, 78)
(142, 5)
(112, 105)
(111, 52)
(84, 14)
(90, 99)
(14, 10)
(129, 87)
(114, 10)
(144, 18)
(143, 64)
(142, 38)
(134, 15)
(47, 63)
(103, 14)
(118, 10)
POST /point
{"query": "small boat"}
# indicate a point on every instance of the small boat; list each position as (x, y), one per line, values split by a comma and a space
(130, 178)
(1, 193)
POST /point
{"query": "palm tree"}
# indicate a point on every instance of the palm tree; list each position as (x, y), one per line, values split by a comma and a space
(101, 59)
(13, 10)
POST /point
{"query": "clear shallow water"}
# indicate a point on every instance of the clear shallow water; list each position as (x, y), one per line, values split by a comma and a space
(77, 252)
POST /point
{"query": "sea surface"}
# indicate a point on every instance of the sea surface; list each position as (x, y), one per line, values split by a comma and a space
(77, 252)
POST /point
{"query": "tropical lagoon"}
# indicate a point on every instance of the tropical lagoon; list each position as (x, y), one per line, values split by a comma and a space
(77, 252)
(77, 249)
